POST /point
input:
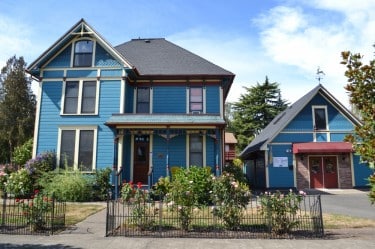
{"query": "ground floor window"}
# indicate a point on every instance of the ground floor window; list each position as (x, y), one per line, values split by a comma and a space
(77, 148)
(196, 150)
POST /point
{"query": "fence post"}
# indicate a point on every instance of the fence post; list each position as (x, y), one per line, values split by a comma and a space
(4, 209)
(321, 215)
(52, 214)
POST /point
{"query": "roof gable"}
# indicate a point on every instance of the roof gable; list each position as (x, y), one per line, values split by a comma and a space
(80, 29)
(284, 118)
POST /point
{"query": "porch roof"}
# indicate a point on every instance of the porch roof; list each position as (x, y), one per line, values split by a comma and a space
(316, 147)
(165, 120)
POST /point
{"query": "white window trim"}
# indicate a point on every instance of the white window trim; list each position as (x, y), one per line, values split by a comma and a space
(203, 99)
(79, 104)
(326, 131)
(73, 52)
(77, 130)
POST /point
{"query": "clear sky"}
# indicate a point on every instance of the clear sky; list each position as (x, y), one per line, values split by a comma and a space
(286, 40)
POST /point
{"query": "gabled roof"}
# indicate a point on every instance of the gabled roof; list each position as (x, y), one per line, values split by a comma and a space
(79, 29)
(282, 119)
(161, 57)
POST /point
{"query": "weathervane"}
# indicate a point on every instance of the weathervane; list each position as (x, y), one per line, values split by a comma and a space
(319, 74)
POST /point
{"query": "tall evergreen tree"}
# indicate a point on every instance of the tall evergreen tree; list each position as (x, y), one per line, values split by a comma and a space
(255, 109)
(17, 107)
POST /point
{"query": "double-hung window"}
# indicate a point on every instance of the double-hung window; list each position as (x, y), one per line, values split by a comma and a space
(196, 100)
(143, 100)
(77, 148)
(83, 53)
(80, 97)
(196, 150)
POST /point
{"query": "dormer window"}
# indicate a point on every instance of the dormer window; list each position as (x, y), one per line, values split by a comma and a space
(83, 51)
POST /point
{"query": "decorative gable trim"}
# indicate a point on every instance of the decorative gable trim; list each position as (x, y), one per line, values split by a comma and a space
(79, 29)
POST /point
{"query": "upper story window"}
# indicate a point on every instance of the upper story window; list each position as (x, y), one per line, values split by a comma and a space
(83, 51)
(143, 100)
(80, 97)
(320, 118)
(196, 99)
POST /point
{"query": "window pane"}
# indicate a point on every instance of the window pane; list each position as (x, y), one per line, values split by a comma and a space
(143, 94)
(71, 97)
(196, 150)
(67, 148)
(143, 108)
(85, 46)
(196, 107)
(88, 97)
(196, 159)
(86, 144)
(320, 119)
(82, 60)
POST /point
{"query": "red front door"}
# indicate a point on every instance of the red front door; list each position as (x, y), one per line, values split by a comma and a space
(316, 173)
(141, 159)
(323, 172)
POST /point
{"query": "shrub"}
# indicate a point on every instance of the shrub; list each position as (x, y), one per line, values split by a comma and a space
(39, 165)
(161, 188)
(280, 210)
(23, 153)
(101, 184)
(230, 198)
(68, 185)
(19, 183)
(371, 180)
(235, 168)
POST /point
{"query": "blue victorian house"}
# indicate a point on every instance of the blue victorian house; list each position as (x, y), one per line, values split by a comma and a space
(139, 107)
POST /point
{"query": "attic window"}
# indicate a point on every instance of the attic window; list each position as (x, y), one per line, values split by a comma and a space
(320, 118)
(83, 51)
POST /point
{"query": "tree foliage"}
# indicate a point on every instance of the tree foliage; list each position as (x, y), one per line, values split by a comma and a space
(361, 88)
(17, 107)
(255, 110)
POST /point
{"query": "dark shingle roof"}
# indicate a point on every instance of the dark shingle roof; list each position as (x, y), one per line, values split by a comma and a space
(283, 119)
(161, 57)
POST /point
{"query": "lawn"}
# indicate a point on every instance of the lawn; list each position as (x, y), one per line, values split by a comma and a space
(77, 212)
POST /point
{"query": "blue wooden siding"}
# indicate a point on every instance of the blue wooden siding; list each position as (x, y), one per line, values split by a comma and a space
(211, 153)
(126, 158)
(177, 151)
(62, 59)
(338, 137)
(103, 59)
(169, 99)
(213, 99)
(49, 114)
(361, 172)
(81, 73)
(50, 119)
(159, 154)
(111, 73)
(53, 74)
(281, 177)
(321, 137)
(293, 137)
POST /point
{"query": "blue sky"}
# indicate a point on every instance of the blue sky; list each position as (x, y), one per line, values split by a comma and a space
(286, 40)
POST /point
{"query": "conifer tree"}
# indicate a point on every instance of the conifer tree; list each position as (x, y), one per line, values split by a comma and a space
(17, 107)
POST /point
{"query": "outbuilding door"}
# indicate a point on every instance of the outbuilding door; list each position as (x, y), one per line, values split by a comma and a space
(323, 172)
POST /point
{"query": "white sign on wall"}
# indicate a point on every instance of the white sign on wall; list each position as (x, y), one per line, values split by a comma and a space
(280, 162)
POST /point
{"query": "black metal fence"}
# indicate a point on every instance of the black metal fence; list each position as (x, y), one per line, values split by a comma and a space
(35, 214)
(164, 219)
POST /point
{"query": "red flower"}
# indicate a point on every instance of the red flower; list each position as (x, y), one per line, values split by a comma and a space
(139, 185)
(17, 200)
(36, 191)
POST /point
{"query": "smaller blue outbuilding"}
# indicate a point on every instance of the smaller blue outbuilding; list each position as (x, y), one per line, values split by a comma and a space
(303, 147)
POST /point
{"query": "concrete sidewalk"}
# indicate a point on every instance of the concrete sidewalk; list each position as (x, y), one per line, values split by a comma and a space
(91, 234)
